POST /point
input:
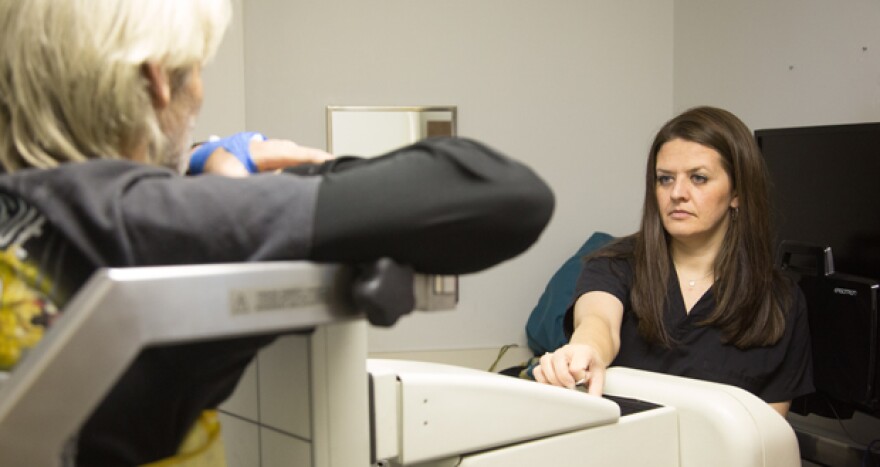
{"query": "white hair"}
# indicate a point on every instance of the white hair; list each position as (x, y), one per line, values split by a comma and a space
(72, 83)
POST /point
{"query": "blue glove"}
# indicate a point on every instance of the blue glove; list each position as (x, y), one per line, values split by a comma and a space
(238, 145)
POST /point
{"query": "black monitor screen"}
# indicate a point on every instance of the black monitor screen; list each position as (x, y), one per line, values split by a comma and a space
(825, 190)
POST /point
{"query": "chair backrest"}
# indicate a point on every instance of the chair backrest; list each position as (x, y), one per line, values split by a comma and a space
(544, 326)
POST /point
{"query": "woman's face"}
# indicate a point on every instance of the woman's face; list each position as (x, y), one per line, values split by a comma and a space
(694, 192)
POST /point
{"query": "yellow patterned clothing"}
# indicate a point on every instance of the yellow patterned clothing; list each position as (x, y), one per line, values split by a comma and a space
(203, 446)
(38, 273)
(24, 308)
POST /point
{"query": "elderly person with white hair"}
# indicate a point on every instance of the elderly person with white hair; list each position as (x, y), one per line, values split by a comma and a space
(97, 101)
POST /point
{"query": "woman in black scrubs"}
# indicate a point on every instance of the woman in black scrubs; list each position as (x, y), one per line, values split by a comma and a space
(694, 292)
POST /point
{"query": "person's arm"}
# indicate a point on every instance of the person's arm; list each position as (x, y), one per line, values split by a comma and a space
(443, 205)
(781, 407)
(446, 206)
(275, 154)
(593, 345)
(794, 377)
(222, 162)
(241, 154)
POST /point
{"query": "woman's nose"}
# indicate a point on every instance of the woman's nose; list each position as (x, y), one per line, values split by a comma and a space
(679, 189)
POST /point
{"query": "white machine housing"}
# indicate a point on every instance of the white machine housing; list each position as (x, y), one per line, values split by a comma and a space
(434, 415)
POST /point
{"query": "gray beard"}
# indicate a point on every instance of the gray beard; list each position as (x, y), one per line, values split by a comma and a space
(174, 150)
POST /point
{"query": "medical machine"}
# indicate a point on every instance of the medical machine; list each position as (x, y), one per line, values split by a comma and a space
(361, 412)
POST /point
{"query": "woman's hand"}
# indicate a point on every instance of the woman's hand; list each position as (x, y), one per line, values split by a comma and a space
(593, 346)
(570, 365)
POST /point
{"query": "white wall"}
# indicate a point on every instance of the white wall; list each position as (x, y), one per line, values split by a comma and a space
(223, 111)
(574, 88)
(780, 63)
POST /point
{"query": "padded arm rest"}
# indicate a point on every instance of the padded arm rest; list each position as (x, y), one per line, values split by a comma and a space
(718, 424)
(120, 311)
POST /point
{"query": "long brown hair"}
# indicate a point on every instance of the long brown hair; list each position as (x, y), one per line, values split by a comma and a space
(745, 260)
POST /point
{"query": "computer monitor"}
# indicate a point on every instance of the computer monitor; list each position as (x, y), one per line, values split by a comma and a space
(825, 192)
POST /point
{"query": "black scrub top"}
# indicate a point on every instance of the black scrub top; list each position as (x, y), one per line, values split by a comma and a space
(774, 373)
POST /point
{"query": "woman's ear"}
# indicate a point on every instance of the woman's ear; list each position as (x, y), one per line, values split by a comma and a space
(734, 202)
(160, 88)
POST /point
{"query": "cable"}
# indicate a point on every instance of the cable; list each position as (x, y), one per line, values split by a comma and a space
(840, 421)
(501, 352)
(869, 447)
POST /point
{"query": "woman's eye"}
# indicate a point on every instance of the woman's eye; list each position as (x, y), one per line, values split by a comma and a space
(699, 179)
(664, 179)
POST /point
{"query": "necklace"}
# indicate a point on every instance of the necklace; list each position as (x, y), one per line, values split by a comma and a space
(693, 282)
